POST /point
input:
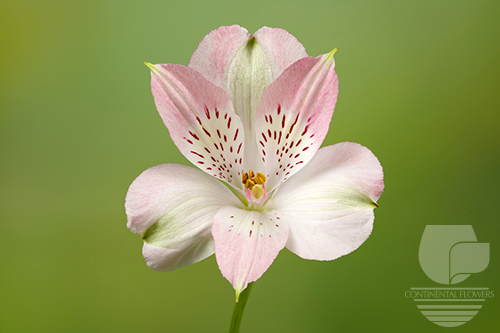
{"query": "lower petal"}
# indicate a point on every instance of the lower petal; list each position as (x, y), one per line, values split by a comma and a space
(329, 203)
(246, 243)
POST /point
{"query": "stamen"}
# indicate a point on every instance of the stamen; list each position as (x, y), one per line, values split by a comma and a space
(255, 185)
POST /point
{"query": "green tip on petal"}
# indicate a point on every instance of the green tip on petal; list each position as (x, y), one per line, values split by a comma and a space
(151, 66)
(329, 56)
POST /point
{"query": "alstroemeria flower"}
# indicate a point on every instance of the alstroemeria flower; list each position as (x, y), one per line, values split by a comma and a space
(252, 111)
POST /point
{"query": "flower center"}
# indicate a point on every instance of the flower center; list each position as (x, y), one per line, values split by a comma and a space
(255, 185)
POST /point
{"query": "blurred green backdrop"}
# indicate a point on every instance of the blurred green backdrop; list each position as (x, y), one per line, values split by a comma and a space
(418, 86)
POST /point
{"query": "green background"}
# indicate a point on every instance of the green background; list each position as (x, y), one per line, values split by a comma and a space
(419, 85)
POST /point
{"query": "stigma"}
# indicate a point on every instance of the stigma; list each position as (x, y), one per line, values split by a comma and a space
(255, 187)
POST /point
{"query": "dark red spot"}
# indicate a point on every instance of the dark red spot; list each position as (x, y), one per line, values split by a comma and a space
(216, 113)
(207, 113)
(225, 138)
(199, 121)
(206, 132)
(201, 162)
(213, 159)
(262, 143)
(209, 168)
(216, 147)
(296, 156)
(236, 134)
(298, 142)
(191, 142)
(306, 148)
(279, 139)
(200, 155)
(229, 123)
(277, 225)
(221, 146)
(279, 109)
(265, 117)
(270, 119)
(208, 151)
(305, 130)
(293, 125)
(269, 132)
(264, 136)
(231, 149)
(276, 217)
(274, 135)
(194, 135)
(250, 234)
(239, 147)
(299, 162)
(218, 134)
(283, 122)
(264, 152)
(225, 116)
(253, 222)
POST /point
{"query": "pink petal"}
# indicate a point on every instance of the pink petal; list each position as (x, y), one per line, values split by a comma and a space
(215, 52)
(281, 48)
(172, 206)
(294, 115)
(246, 243)
(329, 203)
(201, 120)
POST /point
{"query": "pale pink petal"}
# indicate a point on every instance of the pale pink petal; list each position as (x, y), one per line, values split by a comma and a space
(294, 115)
(215, 52)
(201, 120)
(246, 243)
(329, 203)
(281, 48)
(172, 207)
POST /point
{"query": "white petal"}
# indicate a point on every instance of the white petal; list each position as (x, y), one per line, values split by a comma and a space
(246, 243)
(329, 203)
(172, 206)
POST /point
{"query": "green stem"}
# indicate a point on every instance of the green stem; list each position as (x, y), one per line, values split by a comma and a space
(239, 307)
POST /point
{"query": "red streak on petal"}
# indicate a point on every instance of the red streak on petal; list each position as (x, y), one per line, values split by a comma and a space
(279, 109)
(194, 135)
(200, 155)
(207, 113)
(206, 132)
(236, 134)
(229, 123)
(239, 147)
(199, 121)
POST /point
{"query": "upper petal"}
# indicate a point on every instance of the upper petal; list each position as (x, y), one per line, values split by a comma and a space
(294, 115)
(329, 203)
(200, 119)
(281, 47)
(172, 206)
(216, 51)
(246, 243)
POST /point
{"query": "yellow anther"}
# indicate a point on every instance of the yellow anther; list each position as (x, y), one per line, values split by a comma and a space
(260, 178)
(250, 180)
(250, 183)
(257, 191)
(244, 178)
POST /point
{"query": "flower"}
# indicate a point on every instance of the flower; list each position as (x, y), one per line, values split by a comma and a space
(252, 111)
